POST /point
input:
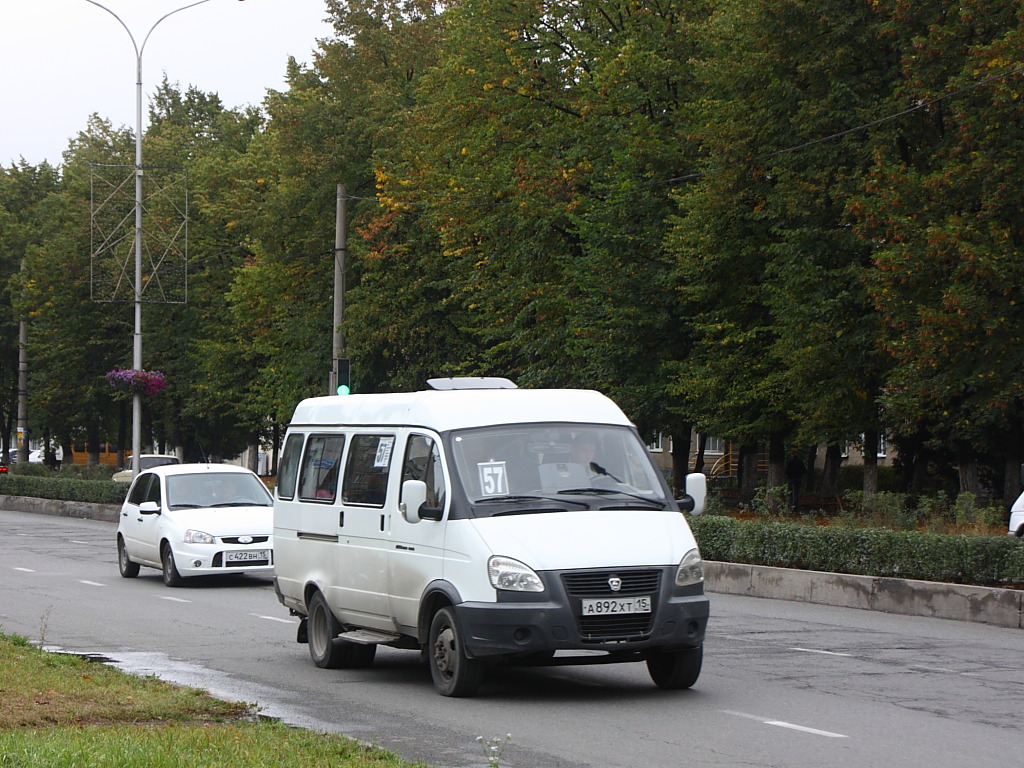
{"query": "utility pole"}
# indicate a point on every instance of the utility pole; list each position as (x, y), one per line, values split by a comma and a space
(340, 248)
(23, 389)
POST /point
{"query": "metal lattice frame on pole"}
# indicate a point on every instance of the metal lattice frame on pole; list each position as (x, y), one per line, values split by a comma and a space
(165, 235)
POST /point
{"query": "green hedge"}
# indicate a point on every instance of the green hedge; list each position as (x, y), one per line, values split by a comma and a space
(68, 489)
(979, 560)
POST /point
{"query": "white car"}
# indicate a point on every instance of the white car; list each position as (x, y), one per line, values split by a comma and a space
(196, 520)
(146, 461)
(1017, 518)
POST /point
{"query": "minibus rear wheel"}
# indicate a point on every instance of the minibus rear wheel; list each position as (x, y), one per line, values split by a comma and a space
(325, 648)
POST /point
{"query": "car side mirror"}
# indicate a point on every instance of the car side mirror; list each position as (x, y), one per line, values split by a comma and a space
(149, 508)
(414, 503)
(696, 490)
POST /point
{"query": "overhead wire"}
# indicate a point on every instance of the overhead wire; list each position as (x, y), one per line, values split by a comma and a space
(846, 132)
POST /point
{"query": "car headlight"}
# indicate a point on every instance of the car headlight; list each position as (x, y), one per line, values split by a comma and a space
(198, 537)
(691, 569)
(512, 576)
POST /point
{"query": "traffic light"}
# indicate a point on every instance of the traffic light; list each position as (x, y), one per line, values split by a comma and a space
(344, 371)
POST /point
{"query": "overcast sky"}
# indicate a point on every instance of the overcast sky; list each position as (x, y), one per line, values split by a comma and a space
(62, 60)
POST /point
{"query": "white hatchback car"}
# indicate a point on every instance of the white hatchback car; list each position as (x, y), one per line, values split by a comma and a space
(196, 520)
(146, 461)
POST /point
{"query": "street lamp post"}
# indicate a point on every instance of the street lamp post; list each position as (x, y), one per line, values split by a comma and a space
(137, 338)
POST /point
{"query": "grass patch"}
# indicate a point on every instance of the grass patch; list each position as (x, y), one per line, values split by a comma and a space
(59, 710)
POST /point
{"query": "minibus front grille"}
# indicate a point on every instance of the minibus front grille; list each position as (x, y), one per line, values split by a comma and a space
(583, 585)
(599, 583)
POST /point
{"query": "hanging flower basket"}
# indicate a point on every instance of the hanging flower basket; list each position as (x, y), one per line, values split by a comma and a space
(136, 382)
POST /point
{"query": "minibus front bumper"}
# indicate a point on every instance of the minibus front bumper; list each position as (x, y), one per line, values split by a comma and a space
(586, 619)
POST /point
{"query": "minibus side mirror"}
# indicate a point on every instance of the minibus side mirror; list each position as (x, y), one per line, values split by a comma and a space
(414, 502)
(696, 489)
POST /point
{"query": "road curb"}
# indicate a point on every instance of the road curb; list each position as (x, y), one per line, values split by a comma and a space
(106, 512)
(959, 602)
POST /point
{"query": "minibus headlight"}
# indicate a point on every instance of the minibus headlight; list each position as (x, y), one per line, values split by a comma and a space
(691, 569)
(512, 576)
(193, 536)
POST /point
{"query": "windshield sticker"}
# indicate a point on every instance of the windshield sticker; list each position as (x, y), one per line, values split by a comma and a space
(493, 478)
(383, 457)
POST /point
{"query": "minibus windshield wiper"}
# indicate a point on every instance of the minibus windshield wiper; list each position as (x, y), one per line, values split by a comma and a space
(611, 491)
(523, 497)
(528, 511)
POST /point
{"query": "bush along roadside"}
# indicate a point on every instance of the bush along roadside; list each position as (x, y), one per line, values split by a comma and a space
(66, 489)
(988, 561)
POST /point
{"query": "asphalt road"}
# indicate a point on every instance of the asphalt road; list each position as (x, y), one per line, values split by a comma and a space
(784, 684)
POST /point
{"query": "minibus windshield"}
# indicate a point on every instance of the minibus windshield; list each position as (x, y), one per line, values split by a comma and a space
(553, 466)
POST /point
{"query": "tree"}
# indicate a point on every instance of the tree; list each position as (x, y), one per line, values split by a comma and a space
(769, 270)
(24, 190)
(943, 210)
(534, 155)
(73, 340)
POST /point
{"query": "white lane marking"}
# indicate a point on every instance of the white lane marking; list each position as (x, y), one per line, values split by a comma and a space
(24, 570)
(175, 599)
(784, 724)
(273, 618)
(75, 541)
(91, 583)
(805, 729)
(824, 653)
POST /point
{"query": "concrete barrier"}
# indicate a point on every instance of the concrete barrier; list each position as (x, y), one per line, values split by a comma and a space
(960, 602)
(1001, 607)
(81, 509)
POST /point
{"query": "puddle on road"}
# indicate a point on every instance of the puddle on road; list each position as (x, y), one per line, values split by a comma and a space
(219, 684)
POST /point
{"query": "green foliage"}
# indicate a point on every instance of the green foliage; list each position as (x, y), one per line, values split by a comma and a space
(979, 560)
(776, 221)
(53, 487)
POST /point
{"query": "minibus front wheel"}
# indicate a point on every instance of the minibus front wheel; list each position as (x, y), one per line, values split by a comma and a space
(454, 673)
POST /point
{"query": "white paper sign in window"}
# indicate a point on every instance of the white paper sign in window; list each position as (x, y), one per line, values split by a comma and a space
(383, 457)
(493, 478)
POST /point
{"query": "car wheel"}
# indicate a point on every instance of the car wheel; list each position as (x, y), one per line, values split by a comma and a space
(321, 629)
(454, 673)
(676, 669)
(325, 648)
(128, 569)
(171, 576)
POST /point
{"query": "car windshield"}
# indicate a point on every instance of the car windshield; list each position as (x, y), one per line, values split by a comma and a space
(148, 462)
(216, 489)
(523, 468)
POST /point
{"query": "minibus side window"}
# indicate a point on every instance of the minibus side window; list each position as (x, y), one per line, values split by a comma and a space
(319, 480)
(289, 469)
(366, 474)
(423, 462)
